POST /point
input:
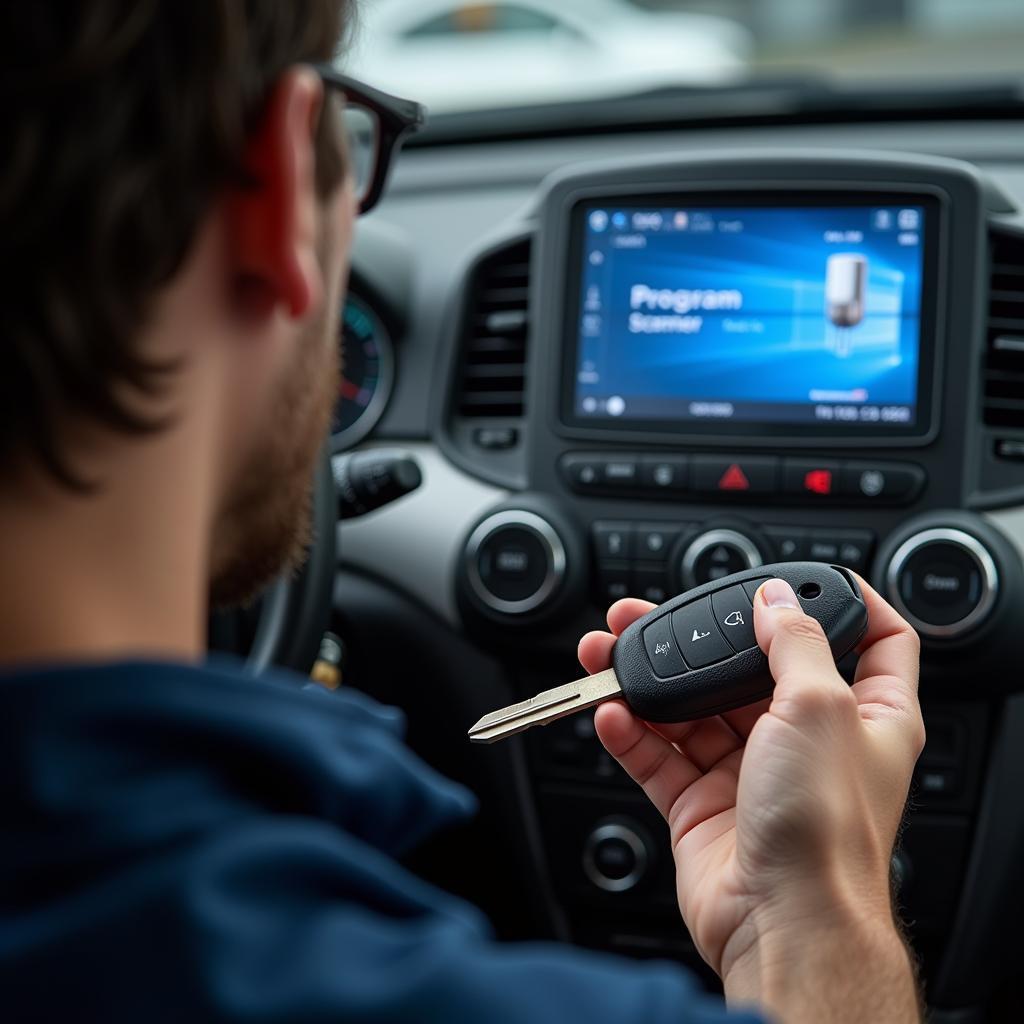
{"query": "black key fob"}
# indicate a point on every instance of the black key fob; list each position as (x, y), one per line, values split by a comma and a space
(696, 655)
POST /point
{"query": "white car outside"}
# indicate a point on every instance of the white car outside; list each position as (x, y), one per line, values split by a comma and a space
(455, 55)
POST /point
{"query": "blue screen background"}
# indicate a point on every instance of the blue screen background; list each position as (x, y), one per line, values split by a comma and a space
(779, 346)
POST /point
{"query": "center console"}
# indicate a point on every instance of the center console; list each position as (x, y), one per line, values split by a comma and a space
(734, 361)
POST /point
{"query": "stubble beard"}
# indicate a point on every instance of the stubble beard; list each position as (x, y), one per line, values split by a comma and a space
(265, 528)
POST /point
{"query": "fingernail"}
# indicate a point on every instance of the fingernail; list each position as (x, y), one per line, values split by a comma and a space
(779, 594)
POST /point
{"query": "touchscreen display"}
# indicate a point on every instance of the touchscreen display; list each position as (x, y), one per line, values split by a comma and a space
(753, 314)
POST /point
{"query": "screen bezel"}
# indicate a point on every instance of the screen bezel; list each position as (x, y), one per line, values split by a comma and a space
(925, 426)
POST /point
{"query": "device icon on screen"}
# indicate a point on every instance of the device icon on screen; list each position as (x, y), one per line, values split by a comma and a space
(598, 221)
(909, 220)
(846, 279)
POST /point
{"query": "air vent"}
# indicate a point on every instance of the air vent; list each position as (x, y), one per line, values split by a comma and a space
(1004, 366)
(495, 332)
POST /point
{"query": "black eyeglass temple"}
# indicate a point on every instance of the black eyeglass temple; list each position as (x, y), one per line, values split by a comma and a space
(406, 115)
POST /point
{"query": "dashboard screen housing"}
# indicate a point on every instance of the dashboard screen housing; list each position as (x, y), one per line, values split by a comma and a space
(819, 302)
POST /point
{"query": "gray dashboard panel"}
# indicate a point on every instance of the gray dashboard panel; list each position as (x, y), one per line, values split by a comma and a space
(414, 543)
(447, 203)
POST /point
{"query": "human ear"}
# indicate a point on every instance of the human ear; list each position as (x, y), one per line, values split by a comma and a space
(272, 218)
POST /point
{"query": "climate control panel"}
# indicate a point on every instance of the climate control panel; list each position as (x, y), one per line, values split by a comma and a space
(655, 560)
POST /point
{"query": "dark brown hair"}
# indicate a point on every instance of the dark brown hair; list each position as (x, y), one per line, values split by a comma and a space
(120, 121)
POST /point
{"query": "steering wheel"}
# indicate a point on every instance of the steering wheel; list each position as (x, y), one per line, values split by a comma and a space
(286, 625)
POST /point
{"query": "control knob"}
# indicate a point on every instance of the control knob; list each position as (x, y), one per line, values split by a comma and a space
(717, 554)
(515, 562)
(944, 581)
(615, 856)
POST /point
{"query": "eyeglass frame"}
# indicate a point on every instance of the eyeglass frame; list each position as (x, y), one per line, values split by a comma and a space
(397, 119)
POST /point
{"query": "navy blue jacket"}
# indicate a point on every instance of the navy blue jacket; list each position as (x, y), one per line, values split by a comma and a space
(185, 844)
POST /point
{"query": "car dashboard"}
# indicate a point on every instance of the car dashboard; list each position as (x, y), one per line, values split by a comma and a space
(852, 392)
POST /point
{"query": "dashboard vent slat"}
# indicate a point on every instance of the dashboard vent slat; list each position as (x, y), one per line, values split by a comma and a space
(1004, 357)
(491, 373)
(1008, 343)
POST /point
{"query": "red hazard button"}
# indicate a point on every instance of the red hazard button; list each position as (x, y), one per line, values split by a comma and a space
(749, 474)
(734, 479)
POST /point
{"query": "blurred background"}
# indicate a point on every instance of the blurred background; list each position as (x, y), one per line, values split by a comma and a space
(457, 55)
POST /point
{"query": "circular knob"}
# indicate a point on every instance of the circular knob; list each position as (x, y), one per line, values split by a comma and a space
(515, 562)
(614, 858)
(716, 554)
(943, 581)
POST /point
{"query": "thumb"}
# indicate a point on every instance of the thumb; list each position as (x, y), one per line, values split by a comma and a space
(798, 651)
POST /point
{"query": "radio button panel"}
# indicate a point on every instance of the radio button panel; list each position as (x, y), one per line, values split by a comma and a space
(735, 477)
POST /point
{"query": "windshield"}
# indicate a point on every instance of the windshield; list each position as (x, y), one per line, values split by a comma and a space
(456, 56)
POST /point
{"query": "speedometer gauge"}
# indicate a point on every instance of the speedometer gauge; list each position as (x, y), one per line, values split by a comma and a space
(366, 377)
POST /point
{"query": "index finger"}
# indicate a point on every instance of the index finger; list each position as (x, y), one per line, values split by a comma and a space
(886, 678)
(595, 649)
(628, 610)
(891, 646)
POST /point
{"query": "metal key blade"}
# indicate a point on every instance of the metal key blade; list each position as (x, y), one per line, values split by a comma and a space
(546, 707)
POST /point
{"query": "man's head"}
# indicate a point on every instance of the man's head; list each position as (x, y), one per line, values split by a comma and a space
(175, 217)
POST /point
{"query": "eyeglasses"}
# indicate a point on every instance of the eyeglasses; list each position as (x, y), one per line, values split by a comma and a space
(375, 126)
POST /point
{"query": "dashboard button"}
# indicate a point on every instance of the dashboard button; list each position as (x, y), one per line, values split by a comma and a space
(513, 565)
(669, 473)
(662, 649)
(882, 481)
(941, 584)
(654, 541)
(650, 583)
(741, 475)
(623, 471)
(699, 639)
(851, 548)
(613, 541)
(790, 541)
(855, 549)
(822, 546)
(938, 782)
(735, 617)
(614, 581)
(811, 479)
(718, 562)
(496, 438)
(583, 472)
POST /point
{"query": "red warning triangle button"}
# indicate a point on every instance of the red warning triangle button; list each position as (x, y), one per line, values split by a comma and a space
(734, 479)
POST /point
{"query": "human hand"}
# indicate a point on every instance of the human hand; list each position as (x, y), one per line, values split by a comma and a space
(782, 815)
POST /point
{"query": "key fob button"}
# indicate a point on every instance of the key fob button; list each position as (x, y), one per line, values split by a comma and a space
(698, 635)
(662, 649)
(735, 617)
